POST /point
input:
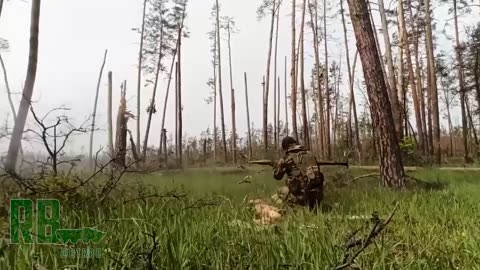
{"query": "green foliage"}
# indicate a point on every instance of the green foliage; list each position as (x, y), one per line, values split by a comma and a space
(408, 147)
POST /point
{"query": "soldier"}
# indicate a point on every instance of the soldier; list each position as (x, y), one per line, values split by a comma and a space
(305, 181)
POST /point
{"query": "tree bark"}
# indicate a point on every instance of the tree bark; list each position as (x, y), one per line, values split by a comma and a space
(433, 86)
(215, 98)
(180, 30)
(327, 90)
(391, 72)
(151, 108)
(391, 165)
(351, 80)
(411, 76)
(293, 73)
(180, 107)
(286, 97)
(139, 73)
(16, 140)
(316, 45)
(90, 155)
(461, 82)
(234, 128)
(9, 96)
(110, 112)
(250, 152)
(267, 83)
(220, 90)
(276, 86)
(306, 137)
(1, 7)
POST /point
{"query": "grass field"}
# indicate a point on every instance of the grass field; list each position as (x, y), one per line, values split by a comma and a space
(431, 229)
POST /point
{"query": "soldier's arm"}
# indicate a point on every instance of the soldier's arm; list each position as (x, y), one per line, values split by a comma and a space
(279, 170)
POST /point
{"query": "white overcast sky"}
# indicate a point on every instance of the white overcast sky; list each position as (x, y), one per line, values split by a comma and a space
(75, 34)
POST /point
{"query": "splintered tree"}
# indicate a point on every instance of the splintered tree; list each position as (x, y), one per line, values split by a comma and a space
(306, 137)
(293, 75)
(94, 114)
(327, 85)
(20, 121)
(262, 12)
(139, 73)
(230, 29)
(212, 83)
(391, 164)
(220, 89)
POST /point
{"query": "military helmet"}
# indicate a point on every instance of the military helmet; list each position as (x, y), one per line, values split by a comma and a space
(287, 141)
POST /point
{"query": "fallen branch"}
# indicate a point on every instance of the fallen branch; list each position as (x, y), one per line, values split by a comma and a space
(364, 243)
(365, 176)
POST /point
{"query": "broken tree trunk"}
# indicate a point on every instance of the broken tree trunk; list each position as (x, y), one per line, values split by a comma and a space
(94, 115)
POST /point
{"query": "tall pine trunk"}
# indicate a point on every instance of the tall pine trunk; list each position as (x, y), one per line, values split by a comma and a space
(286, 97)
(327, 85)
(411, 75)
(306, 137)
(391, 165)
(94, 114)
(293, 76)
(20, 121)
(351, 80)
(139, 72)
(267, 83)
(234, 128)
(316, 45)
(250, 152)
(432, 85)
(391, 71)
(276, 85)
(220, 90)
(151, 109)
(461, 82)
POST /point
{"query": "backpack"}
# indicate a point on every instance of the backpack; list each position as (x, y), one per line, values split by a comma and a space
(306, 162)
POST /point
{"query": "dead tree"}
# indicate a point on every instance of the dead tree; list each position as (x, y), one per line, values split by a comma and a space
(230, 24)
(250, 152)
(293, 76)
(306, 137)
(110, 121)
(90, 155)
(21, 119)
(318, 78)
(121, 134)
(261, 13)
(220, 90)
(391, 165)
(286, 97)
(9, 96)
(139, 72)
(327, 85)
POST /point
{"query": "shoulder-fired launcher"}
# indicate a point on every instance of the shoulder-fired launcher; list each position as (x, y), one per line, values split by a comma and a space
(271, 163)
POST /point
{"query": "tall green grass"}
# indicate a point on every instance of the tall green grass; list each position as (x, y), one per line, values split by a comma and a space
(211, 227)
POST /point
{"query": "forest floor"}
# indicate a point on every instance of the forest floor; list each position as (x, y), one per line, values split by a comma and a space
(204, 222)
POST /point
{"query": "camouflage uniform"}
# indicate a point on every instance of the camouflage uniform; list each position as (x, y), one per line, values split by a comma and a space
(305, 181)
